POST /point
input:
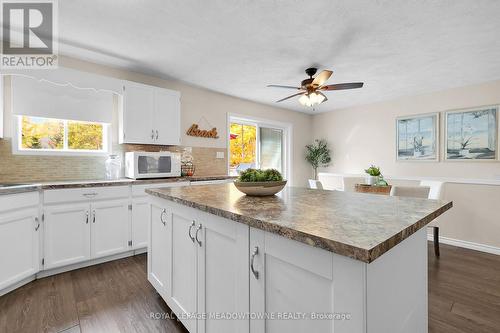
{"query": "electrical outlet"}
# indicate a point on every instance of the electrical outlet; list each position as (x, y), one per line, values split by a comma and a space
(220, 154)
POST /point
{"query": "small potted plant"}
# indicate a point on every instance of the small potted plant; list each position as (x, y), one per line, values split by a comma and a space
(373, 174)
(257, 182)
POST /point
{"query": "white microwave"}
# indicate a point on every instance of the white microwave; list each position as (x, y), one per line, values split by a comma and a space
(152, 164)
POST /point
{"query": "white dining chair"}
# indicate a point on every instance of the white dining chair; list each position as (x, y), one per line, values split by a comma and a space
(315, 184)
(410, 191)
(435, 193)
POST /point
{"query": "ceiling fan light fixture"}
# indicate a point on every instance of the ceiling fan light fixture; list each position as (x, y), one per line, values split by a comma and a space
(311, 99)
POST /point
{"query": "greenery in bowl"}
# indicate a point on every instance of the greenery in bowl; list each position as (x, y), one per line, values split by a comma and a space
(258, 175)
(373, 171)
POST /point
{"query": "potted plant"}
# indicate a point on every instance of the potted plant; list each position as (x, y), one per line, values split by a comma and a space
(373, 174)
(257, 182)
(318, 155)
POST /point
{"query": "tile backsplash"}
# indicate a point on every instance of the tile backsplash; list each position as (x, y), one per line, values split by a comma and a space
(23, 168)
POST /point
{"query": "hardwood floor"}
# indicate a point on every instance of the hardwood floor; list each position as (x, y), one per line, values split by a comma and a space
(464, 291)
(464, 296)
(107, 298)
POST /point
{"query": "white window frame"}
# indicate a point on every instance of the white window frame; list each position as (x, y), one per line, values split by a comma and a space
(17, 150)
(287, 129)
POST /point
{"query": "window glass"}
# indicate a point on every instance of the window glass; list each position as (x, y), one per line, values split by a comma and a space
(42, 133)
(242, 143)
(88, 136)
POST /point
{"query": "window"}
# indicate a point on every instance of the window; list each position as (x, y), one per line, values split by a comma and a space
(257, 144)
(47, 135)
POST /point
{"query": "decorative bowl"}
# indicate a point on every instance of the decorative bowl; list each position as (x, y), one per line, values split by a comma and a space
(260, 189)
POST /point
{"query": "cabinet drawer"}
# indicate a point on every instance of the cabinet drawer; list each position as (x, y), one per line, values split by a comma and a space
(138, 190)
(10, 202)
(85, 194)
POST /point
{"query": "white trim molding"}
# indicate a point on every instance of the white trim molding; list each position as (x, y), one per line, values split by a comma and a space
(466, 244)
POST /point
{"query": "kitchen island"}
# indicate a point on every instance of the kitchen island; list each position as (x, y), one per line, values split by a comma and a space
(301, 261)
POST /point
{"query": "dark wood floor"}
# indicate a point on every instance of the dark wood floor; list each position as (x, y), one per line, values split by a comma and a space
(464, 296)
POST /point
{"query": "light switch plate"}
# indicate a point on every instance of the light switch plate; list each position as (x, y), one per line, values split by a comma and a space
(220, 154)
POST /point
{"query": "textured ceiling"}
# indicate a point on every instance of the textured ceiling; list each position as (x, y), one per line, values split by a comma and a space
(237, 47)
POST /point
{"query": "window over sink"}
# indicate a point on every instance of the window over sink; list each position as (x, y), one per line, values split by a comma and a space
(39, 135)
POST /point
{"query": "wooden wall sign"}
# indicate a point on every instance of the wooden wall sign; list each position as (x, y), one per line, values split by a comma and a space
(195, 131)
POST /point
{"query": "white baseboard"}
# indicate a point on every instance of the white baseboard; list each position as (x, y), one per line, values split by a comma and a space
(466, 244)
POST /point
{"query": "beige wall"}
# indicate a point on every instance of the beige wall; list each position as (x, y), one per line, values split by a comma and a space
(214, 107)
(363, 135)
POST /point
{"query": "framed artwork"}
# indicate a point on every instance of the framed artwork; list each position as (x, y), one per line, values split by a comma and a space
(472, 134)
(417, 137)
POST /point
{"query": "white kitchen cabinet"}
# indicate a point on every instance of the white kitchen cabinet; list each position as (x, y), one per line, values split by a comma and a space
(140, 217)
(110, 228)
(223, 280)
(207, 264)
(149, 115)
(159, 251)
(289, 277)
(66, 234)
(184, 277)
(19, 252)
(167, 117)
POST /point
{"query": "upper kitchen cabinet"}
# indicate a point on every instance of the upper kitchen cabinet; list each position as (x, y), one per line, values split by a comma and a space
(149, 115)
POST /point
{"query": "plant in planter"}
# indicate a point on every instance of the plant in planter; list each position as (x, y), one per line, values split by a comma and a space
(318, 155)
(256, 182)
(373, 174)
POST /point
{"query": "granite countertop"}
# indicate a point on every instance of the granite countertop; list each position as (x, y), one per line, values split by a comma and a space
(358, 225)
(36, 186)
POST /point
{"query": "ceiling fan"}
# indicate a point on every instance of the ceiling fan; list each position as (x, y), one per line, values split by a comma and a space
(311, 88)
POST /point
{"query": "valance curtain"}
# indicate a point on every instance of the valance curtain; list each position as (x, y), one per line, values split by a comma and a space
(43, 98)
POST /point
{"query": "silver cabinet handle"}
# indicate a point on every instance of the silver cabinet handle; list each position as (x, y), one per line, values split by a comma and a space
(93, 219)
(164, 211)
(37, 223)
(152, 134)
(197, 230)
(254, 253)
(189, 231)
(92, 194)
(156, 134)
(87, 219)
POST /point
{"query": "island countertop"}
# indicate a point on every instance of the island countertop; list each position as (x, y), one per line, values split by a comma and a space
(360, 226)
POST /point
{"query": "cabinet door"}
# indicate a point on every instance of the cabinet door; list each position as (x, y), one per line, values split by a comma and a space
(292, 277)
(223, 280)
(140, 221)
(137, 113)
(18, 246)
(159, 250)
(167, 117)
(67, 234)
(110, 228)
(183, 288)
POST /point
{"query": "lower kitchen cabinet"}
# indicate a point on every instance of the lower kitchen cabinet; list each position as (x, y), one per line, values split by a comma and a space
(140, 219)
(66, 234)
(19, 241)
(110, 228)
(159, 255)
(199, 264)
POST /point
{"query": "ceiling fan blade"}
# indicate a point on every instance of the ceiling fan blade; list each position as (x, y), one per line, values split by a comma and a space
(287, 87)
(281, 100)
(342, 86)
(321, 78)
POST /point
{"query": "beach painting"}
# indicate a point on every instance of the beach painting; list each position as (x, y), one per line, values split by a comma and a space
(472, 134)
(417, 137)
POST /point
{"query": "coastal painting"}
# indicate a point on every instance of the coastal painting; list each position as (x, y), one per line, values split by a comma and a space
(417, 137)
(472, 134)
